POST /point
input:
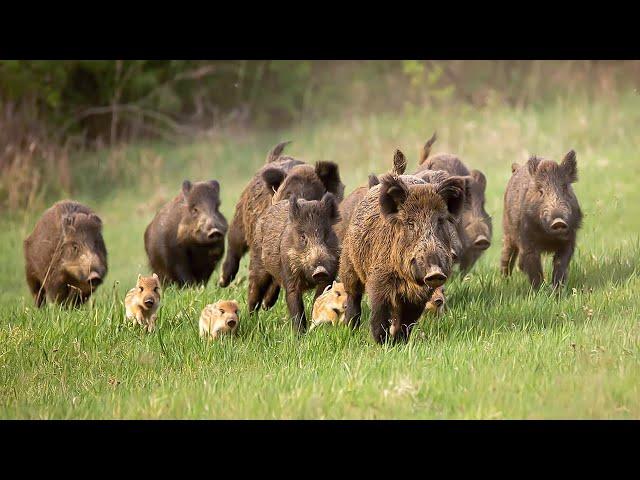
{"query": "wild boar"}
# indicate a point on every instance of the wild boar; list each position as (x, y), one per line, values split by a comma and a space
(218, 318)
(65, 255)
(185, 240)
(330, 306)
(475, 226)
(281, 177)
(398, 248)
(296, 248)
(541, 214)
(142, 302)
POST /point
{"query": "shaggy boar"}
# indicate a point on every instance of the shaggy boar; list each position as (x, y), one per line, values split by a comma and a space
(281, 177)
(65, 255)
(294, 247)
(185, 240)
(475, 227)
(398, 248)
(541, 214)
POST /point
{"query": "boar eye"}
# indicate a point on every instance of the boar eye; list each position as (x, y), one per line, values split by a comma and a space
(303, 238)
(540, 191)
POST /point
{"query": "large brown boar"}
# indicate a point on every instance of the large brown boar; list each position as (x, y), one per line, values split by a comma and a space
(185, 240)
(65, 255)
(474, 226)
(296, 248)
(541, 214)
(398, 249)
(281, 177)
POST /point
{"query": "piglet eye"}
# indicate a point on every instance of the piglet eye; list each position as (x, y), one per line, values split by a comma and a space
(141, 289)
(337, 294)
(155, 289)
(221, 311)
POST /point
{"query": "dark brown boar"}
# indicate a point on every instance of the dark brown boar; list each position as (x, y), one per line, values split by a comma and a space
(281, 177)
(474, 227)
(296, 248)
(398, 248)
(65, 255)
(185, 240)
(541, 214)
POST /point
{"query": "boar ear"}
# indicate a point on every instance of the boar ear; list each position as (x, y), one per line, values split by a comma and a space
(330, 207)
(294, 207)
(95, 219)
(186, 187)
(452, 190)
(426, 150)
(399, 163)
(373, 180)
(393, 193)
(480, 179)
(276, 151)
(67, 224)
(329, 175)
(514, 167)
(570, 166)
(532, 165)
(273, 178)
(216, 186)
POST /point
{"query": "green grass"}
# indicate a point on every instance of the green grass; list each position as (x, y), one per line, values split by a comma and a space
(501, 351)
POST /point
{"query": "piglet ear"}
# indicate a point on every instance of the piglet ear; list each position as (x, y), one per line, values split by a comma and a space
(480, 179)
(273, 178)
(139, 277)
(570, 166)
(330, 206)
(393, 194)
(294, 207)
(186, 187)
(452, 190)
(155, 276)
(532, 165)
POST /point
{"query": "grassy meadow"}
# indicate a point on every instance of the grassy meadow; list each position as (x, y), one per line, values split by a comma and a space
(501, 351)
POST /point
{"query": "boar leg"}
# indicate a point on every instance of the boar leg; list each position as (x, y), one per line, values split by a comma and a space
(409, 315)
(259, 282)
(37, 290)
(531, 264)
(469, 258)
(561, 261)
(271, 296)
(509, 256)
(381, 320)
(296, 308)
(237, 248)
(354, 289)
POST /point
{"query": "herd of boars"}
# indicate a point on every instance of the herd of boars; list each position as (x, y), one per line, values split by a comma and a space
(396, 239)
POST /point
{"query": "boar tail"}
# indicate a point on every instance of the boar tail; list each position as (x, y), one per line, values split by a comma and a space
(426, 150)
(273, 155)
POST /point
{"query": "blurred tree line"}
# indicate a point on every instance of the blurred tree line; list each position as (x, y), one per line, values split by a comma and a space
(50, 109)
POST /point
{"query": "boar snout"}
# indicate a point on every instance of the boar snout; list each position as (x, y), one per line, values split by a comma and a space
(559, 225)
(435, 277)
(94, 278)
(481, 242)
(214, 234)
(320, 274)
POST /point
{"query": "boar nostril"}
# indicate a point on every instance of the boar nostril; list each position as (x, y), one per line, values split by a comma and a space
(558, 224)
(320, 273)
(482, 242)
(231, 323)
(214, 233)
(435, 277)
(94, 278)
